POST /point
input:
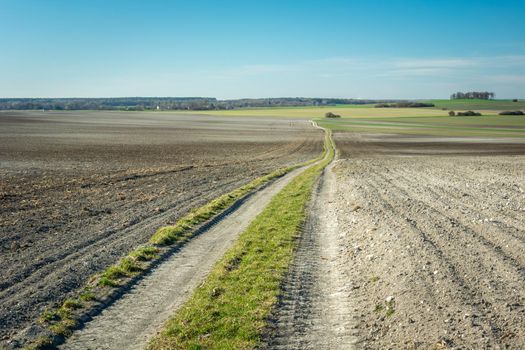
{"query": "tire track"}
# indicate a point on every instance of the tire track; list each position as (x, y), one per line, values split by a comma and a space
(315, 310)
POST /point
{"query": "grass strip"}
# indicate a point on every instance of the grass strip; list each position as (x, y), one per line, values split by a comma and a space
(59, 323)
(229, 310)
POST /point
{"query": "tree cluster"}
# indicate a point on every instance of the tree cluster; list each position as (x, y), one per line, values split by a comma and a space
(404, 104)
(468, 114)
(481, 95)
(331, 115)
(511, 113)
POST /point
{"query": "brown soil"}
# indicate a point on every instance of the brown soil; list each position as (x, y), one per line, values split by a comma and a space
(80, 189)
(435, 244)
(353, 145)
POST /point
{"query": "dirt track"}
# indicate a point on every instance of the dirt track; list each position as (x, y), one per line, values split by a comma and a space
(315, 311)
(80, 189)
(138, 315)
(435, 245)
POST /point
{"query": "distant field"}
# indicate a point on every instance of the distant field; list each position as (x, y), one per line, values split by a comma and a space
(487, 107)
(346, 111)
(496, 105)
(484, 126)
(408, 121)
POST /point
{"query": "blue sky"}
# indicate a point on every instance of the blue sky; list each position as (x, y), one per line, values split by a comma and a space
(233, 49)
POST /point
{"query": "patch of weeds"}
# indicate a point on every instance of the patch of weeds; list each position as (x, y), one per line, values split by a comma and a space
(379, 307)
(130, 266)
(64, 327)
(71, 304)
(390, 307)
(87, 296)
(106, 282)
(48, 316)
(168, 235)
(145, 254)
(113, 273)
(374, 279)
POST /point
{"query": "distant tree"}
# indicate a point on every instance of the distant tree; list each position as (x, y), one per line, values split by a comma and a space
(331, 115)
(515, 100)
(482, 95)
(468, 114)
(451, 113)
(511, 113)
(404, 104)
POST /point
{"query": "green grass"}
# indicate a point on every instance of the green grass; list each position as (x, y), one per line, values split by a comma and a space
(229, 310)
(483, 126)
(466, 104)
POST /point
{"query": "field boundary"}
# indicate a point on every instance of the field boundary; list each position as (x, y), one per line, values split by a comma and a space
(103, 289)
(230, 309)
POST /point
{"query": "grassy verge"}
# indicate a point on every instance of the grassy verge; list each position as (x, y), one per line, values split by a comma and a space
(59, 322)
(229, 310)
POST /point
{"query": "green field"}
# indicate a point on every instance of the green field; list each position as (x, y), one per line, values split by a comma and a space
(487, 107)
(411, 121)
(496, 105)
(484, 126)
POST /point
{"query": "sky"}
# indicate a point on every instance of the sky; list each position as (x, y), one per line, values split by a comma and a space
(412, 49)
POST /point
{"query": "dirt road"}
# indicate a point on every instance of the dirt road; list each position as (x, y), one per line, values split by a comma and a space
(315, 311)
(132, 320)
(78, 190)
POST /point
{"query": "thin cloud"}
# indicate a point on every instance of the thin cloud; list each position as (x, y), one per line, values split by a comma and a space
(333, 66)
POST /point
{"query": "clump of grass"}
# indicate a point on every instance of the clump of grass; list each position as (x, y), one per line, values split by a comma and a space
(72, 304)
(64, 327)
(87, 295)
(48, 316)
(106, 282)
(229, 310)
(379, 307)
(145, 254)
(390, 307)
(374, 279)
(127, 267)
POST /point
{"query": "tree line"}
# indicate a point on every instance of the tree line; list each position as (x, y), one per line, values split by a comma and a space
(168, 103)
(481, 95)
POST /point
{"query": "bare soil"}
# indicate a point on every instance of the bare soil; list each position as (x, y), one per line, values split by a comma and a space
(352, 145)
(434, 238)
(78, 190)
